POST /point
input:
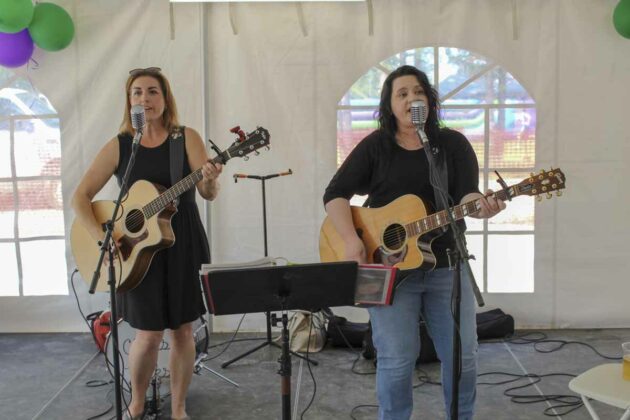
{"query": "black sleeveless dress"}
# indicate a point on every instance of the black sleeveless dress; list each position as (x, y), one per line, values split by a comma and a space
(170, 293)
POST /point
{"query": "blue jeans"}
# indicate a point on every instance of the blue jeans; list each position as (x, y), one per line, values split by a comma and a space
(397, 342)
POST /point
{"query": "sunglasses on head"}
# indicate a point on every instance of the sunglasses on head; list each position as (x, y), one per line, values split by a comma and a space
(147, 70)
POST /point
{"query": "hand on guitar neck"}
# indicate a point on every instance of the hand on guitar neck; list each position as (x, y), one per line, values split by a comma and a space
(489, 204)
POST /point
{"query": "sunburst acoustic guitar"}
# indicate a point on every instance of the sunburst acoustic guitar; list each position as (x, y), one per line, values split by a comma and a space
(402, 231)
(144, 223)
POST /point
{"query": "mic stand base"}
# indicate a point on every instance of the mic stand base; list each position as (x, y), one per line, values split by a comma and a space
(268, 342)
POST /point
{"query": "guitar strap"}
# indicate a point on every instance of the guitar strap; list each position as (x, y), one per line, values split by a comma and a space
(176, 156)
(441, 169)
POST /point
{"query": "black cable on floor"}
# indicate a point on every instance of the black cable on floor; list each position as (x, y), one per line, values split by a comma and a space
(76, 297)
(223, 343)
(329, 315)
(360, 406)
(568, 402)
(542, 339)
(95, 383)
(229, 342)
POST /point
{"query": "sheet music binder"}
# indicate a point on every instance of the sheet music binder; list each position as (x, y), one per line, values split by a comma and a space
(250, 290)
(375, 285)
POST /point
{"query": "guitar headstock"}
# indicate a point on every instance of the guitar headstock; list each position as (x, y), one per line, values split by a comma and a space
(544, 182)
(247, 144)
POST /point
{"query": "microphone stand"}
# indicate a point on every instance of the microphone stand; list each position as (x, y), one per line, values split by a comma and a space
(456, 258)
(268, 342)
(106, 246)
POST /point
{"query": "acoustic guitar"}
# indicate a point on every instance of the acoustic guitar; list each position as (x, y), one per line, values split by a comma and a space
(401, 233)
(143, 226)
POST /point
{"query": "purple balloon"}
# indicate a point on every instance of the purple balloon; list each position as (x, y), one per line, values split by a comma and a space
(15, 49)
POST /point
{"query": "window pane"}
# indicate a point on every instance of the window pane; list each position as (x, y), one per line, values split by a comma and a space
(421, 58)
(7, 211)
(457, 67)
(39, 194)
(352, 127)
(519, 214)
(9, 281)
(40, 207)
(37, 147)
(366, 90)
(471, 123)
(37, 102)
(475, 247)
(512, 138)
(5, 149)
(496, 86)
(44, 268)
(511, 263)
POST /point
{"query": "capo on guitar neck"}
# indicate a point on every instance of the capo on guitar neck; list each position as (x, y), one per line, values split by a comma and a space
(504, 186)
(214, 147)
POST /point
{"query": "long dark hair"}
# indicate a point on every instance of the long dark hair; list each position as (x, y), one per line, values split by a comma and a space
(387, 119)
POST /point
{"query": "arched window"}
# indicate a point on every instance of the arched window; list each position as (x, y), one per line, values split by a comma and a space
(494, 111)
(32, 244)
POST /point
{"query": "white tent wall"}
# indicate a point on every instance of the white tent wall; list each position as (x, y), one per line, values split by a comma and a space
(566, 54)
(85, 84)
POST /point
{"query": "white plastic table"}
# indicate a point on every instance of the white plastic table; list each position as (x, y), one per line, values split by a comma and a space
(603, 383)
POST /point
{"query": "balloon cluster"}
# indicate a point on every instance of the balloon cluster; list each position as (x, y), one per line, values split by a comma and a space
(22, 26)
(621, 18)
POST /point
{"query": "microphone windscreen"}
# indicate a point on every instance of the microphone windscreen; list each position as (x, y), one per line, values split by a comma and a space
(418, 113)
(137, 117)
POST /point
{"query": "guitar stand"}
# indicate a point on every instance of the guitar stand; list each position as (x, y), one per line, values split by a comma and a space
(200, 365)
(153, 409)
(268, 341)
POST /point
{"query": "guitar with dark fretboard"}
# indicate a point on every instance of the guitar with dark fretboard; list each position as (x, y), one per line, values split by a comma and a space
(402, 232)
(144, 222)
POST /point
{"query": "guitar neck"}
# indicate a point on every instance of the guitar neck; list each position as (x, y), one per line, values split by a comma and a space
(441, 218)
(168, 196)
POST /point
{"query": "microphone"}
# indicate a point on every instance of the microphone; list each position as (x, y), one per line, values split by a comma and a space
(137, 122)
(419, 118)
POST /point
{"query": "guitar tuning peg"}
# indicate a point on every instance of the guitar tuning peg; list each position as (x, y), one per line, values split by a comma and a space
(256, 152)
(549, 195)
(559, 193)
(245, 158)
(538, 198)
(542, 171)
(531, 174)
(267, 147)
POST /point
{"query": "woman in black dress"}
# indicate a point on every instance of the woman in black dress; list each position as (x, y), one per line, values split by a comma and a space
(169, 296)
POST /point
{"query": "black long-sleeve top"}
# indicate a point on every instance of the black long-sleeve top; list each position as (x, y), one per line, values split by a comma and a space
(381, 168)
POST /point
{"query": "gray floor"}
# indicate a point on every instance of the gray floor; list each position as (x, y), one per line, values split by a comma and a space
(47, 376)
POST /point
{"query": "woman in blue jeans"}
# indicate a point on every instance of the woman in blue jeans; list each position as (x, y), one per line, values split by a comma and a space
(387, 164)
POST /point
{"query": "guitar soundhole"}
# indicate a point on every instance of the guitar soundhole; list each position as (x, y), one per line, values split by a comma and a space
(394, 236)
(134, 221)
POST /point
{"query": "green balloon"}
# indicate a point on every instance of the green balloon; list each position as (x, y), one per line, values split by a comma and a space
(51, 28)
(15, 15)
(621, 18)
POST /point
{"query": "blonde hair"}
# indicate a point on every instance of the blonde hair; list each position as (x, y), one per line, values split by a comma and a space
(170, 118)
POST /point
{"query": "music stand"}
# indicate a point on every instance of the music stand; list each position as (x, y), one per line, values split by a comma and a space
(281, 288)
